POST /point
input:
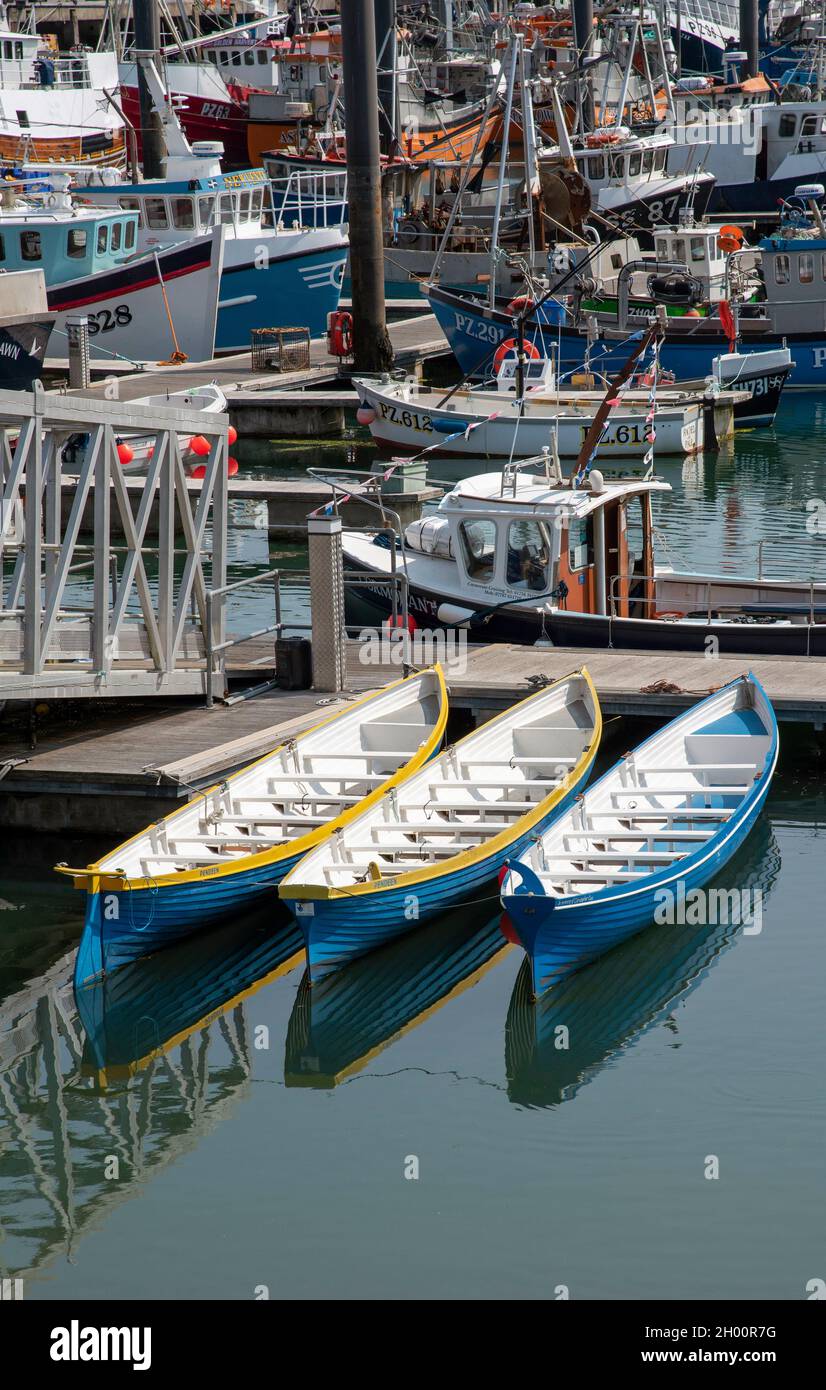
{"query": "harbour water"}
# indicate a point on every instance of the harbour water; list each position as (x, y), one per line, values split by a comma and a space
(417, 1128)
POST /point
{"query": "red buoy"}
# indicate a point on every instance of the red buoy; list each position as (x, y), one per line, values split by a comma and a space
(125, 453)
(232, 467)
(199, 445)
(232, 434)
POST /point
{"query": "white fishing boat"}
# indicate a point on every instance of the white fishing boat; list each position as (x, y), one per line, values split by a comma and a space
(498, 422)
(52, 105)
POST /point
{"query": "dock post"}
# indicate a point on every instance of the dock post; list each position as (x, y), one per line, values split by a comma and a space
(77, 331)
(148, 39)
(371, 342)
(748, 38)
(327, 602)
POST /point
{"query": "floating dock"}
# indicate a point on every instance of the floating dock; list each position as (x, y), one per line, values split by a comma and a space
(116, 770)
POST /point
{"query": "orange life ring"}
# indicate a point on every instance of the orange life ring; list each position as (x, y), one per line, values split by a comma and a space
(510, 345)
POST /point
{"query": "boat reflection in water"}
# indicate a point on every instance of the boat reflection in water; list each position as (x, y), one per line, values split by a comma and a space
(344, 1020)
(142, 1010)
(609, 1005)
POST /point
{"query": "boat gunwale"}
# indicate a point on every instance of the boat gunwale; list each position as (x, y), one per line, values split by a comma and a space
(612, 894)
(475, 854)
(109, 881)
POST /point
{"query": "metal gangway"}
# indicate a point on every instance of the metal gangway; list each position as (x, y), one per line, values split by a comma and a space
(104, 576)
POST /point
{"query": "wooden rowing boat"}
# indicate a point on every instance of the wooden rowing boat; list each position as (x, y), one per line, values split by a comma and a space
(653, 831)
(443, 834)
(233, 842)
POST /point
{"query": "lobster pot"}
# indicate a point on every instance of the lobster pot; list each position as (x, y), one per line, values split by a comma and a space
(280, 349)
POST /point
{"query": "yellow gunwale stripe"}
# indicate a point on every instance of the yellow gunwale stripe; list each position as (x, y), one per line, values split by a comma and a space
(318, 892)
(111, 882)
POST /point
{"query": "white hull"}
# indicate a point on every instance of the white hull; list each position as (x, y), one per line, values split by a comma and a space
(404, 423)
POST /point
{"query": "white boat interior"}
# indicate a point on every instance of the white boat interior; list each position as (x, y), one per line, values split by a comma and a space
(475, 791)
(664, 801)
(305, 783)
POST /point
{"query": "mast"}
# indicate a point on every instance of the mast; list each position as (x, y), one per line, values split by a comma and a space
(148, 42)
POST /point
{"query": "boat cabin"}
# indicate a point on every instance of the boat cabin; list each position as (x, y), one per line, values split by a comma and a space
(615, 158)
(193, 207)
(539, 373)
(698, 249)
(587, 549)
(65, 246)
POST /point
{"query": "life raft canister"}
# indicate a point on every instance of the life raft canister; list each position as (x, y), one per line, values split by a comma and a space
(520, 305)
(510, 345)
(339, 333)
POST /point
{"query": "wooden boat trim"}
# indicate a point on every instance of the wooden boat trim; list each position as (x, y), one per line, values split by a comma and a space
(94, 878)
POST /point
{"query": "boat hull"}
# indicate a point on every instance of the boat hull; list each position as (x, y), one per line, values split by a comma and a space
(559, 939)
(474, 332)
(23, 342)
(339, 930)
(300, 287)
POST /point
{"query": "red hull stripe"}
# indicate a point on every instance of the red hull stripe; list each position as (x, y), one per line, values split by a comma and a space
(130, 289)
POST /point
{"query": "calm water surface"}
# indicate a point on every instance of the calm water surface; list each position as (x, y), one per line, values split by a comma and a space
(262, 1133)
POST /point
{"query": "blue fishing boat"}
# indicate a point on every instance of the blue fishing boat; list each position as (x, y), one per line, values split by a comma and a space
(647, 836)
(230, 845)
(443, 834)
(274, 273)
(716, 297)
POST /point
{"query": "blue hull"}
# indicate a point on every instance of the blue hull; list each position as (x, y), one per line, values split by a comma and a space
(339, 930)
(561, 939)
(474, 335)
(289, 291)
(121, 927)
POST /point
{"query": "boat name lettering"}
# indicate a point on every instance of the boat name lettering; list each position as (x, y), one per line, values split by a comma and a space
(478, 328)
(208, 873)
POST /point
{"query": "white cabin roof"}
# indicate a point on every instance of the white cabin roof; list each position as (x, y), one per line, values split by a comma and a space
(534, 491)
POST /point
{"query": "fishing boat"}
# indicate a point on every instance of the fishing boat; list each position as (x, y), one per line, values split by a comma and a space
(651, 832)
(439, 837)
(528, 556)
(53, 105)
(228, 847)
(25, 327)
(501, 422)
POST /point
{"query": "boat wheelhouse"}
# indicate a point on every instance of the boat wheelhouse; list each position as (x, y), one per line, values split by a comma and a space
(526, 557)
(290, 272)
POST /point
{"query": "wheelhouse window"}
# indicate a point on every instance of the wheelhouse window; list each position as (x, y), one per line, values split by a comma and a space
(529, 556)
(183, 213)
(698, 248)
(781, 270)
(103, 239)
(648, 161)
(660, 159)
(478, 540)
(809, 126)
(596, 166)
(206, 212)
(806, 268)
(226, 209)
(787, 126)
(155, 209)
(129, 235)
(616, 166)
(76, 242)
(117, 233)
(249, 58)
(30, 247)
(580, 543)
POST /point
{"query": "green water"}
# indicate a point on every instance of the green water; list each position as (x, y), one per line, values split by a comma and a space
(269, 1145)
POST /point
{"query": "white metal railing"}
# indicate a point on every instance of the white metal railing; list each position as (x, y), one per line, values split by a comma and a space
(310, 198)
(71, 73)
(140, 633)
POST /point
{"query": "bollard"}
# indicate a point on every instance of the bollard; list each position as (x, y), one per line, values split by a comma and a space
(327, 602)
(77, 331)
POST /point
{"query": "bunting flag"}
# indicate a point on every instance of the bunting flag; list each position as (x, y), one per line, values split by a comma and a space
(329, 507)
